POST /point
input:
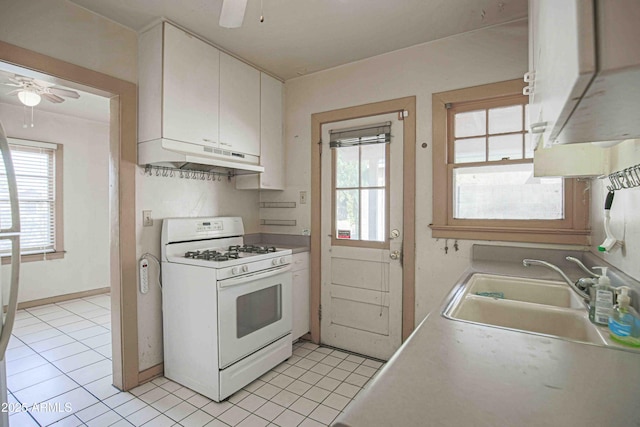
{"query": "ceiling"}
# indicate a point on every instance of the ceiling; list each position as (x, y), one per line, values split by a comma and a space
(299, 37)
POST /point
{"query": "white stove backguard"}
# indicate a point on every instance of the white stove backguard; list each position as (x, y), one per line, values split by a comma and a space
(190, 229)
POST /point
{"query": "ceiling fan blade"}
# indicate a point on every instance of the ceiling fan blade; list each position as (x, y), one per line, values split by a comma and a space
(14, 92)
(42, 83)
(63, 92)
(52, 98)
(232, 13)
(12, 84)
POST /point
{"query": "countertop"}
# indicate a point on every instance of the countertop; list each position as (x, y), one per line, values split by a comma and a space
(452, 373)
(296, 243)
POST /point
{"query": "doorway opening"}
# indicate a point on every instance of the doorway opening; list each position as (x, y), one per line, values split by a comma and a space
(121, 153)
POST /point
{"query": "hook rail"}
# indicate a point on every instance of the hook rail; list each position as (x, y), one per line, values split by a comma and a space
(625, 178)
(167, 172)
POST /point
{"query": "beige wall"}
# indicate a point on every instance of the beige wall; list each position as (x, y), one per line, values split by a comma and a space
(85, 265)
(625, 212)
(61, 29)
(484, 56)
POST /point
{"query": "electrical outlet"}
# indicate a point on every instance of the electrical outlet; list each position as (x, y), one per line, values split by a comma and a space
(303, 197)
(144, 276)
(146, 219)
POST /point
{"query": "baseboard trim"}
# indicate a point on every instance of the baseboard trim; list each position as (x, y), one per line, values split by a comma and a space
(61, 298)
(150, 373)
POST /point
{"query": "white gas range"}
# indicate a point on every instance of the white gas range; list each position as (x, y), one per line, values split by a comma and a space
(226, 306)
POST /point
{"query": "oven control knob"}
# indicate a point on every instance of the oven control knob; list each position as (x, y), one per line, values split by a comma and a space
(245, 268)
(275, 261)
(282, 260)
(235, 270)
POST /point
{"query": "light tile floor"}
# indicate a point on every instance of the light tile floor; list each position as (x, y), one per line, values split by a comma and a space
(60, 354)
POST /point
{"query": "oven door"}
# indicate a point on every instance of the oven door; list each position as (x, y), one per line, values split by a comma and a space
(253, 311)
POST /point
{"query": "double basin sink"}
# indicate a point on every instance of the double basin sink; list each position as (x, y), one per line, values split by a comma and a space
(543, 307)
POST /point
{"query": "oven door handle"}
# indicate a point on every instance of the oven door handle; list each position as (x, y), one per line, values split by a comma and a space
(251, 277)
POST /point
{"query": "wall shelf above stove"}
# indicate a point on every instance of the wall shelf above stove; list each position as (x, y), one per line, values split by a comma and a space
(277, 204)
(282, 222)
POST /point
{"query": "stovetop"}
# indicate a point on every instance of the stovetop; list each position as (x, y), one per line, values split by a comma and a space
(231, 252)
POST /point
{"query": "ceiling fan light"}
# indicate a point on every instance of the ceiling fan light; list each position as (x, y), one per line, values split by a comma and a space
(232, 13)
(28, 98)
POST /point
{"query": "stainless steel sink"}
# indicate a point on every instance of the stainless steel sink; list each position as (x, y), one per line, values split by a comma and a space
(536, 306)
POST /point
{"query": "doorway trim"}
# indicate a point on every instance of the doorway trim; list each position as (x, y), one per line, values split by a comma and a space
(408, 105)
(122, 167)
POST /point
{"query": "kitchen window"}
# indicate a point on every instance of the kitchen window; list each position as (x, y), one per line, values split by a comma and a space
(38, 167)
(483, 173)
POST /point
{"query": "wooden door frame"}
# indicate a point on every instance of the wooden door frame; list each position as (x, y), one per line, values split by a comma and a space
(408, 105)
(122, 168)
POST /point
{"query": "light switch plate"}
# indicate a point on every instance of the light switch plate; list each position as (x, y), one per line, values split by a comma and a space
(146, 219)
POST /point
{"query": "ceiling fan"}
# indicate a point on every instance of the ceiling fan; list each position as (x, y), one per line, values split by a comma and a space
(30, 91)
(232, 13)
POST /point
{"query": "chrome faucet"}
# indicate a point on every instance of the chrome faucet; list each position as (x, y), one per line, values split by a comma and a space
(574, 286)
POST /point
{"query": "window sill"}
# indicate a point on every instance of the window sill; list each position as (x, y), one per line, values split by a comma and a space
(525, 235)
(46, 256)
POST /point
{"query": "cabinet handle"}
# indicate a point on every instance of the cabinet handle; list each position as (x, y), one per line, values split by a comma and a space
(207, 140)
(538, 127)
(529, 77)
(224, 143)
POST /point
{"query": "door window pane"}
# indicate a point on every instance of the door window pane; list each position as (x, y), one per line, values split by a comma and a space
(470, 123)
(505, 147)
(505, 119)
(469, 150)
(258, 309)
(347, 167)
(372, 167)
(506, 192)
(372, 205)
(347, 214)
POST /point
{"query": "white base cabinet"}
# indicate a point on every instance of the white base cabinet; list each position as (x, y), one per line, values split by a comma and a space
(301, 309)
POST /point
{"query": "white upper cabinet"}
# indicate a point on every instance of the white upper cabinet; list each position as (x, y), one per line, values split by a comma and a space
(585, 70)
(271, 139)
(178, 87)
(239, 106)
(562, 66)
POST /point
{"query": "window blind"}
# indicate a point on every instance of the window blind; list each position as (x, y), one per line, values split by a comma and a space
(362, 135)
(35, 168)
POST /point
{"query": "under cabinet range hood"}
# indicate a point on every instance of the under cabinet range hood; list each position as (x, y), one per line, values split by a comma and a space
(184, 155)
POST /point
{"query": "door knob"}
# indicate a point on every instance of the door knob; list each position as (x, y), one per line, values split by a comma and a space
(394, 255)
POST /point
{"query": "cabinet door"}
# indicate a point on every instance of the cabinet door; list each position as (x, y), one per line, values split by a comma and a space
(564, 66)
(271, 142)
(300, 294)
(190, 88)
(239, 106)
(300, 297)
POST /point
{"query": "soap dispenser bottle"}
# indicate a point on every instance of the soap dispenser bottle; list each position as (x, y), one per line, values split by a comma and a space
(601, 299)
(624, 325)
